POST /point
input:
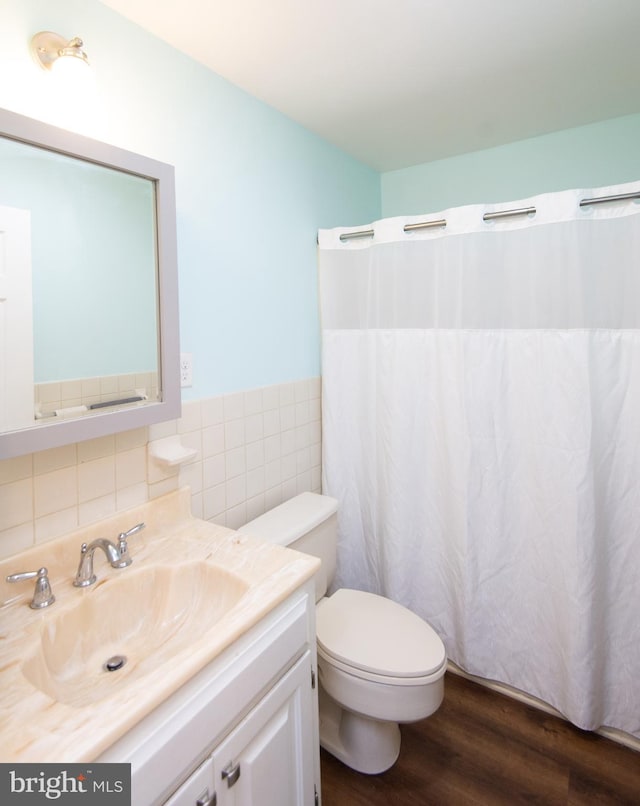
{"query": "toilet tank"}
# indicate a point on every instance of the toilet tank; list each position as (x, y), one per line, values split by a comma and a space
(307, 523)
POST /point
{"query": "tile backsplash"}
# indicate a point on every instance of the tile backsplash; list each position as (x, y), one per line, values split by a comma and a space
(254, 449)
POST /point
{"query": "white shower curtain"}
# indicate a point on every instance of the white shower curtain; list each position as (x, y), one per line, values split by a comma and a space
(481, 432)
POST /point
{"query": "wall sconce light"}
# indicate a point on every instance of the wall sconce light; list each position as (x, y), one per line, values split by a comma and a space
(52, 51)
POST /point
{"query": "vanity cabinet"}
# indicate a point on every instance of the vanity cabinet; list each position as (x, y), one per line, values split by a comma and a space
(265, 759)
(244, 731)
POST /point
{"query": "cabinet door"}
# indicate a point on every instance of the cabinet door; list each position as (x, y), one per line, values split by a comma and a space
(268, 759)
(197, 790)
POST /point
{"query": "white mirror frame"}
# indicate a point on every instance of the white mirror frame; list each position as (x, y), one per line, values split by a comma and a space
(47, 435)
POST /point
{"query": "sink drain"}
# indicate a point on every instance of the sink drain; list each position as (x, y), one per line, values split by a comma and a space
(114, 663)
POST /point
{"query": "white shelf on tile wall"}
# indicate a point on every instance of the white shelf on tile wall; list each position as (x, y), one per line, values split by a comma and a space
(170, 451)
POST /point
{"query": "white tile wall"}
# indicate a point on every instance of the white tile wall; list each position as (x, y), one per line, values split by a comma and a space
(254, 450)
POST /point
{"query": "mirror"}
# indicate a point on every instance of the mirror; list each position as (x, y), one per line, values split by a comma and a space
(88, 288)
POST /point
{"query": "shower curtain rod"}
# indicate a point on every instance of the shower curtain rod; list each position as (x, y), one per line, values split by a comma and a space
(441, 222)
(368, 233)
(509, 213)
(361, 233)
(604, 199)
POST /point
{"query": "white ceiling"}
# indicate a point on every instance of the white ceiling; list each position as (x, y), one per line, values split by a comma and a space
(399, 82)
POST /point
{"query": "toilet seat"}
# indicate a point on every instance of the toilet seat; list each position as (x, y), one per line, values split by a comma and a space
(377, 639)
(371, 677)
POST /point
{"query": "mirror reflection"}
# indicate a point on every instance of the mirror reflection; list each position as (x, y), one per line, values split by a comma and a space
(78, 286)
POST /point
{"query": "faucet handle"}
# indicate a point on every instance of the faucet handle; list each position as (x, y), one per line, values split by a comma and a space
(123, 546)
(42, 595)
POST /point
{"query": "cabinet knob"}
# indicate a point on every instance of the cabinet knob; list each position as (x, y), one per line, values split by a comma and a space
(231, 773)
(206, 799)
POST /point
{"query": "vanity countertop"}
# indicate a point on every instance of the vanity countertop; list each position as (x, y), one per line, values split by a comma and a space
(42, 727)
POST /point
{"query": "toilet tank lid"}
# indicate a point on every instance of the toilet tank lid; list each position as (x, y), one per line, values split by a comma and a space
(287, 522)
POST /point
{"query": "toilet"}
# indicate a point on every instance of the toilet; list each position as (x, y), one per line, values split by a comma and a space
(379, 664)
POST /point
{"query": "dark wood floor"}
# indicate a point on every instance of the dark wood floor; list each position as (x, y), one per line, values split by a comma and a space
(484, 748)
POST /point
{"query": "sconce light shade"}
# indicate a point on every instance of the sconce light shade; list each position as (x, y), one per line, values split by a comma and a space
(48, 49)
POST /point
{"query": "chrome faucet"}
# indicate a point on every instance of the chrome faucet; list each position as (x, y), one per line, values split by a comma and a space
(118, 556)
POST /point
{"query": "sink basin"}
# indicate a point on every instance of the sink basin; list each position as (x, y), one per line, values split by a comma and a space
(145, 616)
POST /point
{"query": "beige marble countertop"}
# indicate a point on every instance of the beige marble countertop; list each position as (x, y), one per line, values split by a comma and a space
(41, 727)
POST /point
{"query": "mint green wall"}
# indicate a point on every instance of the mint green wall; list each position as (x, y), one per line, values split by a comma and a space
(252, 186)
(589, 156)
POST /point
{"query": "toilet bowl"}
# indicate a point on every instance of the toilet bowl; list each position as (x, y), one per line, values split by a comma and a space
(382, 665)
(379, 664)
